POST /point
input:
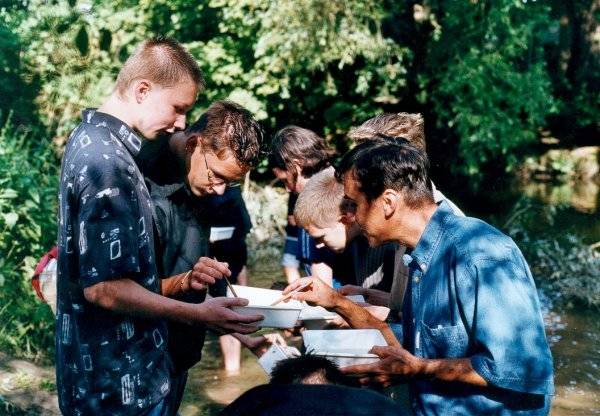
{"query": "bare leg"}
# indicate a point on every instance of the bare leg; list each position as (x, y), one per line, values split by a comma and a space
(242, 278)
(231, 349)
(291, 273)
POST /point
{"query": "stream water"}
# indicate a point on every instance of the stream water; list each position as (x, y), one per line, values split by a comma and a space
(573, 333)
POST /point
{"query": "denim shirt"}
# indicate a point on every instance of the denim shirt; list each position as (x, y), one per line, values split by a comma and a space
(471, 295)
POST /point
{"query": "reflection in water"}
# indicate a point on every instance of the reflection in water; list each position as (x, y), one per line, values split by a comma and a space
(581, 195)
(574, 338)
(209, 388)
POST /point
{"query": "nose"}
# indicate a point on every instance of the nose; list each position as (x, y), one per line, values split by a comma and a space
(180, 122)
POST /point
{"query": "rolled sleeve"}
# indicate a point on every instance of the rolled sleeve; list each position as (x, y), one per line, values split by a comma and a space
(110, 227)
(511, 350)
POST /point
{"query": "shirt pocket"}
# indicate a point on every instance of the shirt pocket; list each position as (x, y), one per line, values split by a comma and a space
(444, 341)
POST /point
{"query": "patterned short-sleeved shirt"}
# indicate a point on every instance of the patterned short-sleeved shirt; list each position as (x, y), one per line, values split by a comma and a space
(106, 362)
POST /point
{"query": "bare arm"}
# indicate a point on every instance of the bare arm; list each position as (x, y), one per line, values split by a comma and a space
(360, 318)
(128, 297)
(320, 293)
(459, 369)
(372, 296)
(397, 363)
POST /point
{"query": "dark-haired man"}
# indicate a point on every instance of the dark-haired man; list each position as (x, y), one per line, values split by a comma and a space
(474, 339)
(181, 171)
(112, 307)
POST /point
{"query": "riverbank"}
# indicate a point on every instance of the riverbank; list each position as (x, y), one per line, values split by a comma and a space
(27, 388)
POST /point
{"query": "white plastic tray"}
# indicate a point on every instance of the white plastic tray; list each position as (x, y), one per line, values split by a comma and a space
(282, 315)
(274, 354)
(220, 233)
(344, 346)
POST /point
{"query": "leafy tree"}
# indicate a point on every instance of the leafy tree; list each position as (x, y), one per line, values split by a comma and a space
(486, 81)
(28, 183)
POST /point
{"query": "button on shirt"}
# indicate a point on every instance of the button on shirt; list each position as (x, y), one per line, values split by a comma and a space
(106, 362)
(470, 294)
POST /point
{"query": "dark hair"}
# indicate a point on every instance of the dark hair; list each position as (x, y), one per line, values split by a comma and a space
(307, 369)
(389, 163)
(293, 144)
(161, 60)
(228, 126)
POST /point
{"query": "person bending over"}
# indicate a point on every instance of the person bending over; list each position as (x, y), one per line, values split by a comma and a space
(474, 340)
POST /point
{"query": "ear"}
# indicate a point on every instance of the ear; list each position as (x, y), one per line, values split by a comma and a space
(297, 168)
(390, 200)
(141, 90)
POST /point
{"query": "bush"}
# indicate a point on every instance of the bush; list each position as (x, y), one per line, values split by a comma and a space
(267, 207)
(564, 266)
(28, 203)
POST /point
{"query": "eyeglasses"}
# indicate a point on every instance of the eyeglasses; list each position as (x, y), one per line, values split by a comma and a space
(215, 180)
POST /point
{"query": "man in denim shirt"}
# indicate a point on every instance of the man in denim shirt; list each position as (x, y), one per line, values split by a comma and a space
(474, 339)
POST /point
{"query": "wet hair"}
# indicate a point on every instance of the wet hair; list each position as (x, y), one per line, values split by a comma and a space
(320, 200)
(227, 126)
(296, 145)
(409, 126)
(307, 369)
(389, 163)
(161, 60)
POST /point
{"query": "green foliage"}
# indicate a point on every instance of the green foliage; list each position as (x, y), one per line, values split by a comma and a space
(493, 91)
(28, 183)
(17, 93)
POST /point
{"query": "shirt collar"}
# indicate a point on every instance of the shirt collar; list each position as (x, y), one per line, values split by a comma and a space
(119, 129)
(431, 237)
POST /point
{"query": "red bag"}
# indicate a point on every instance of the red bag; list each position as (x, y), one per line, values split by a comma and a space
(35, 279)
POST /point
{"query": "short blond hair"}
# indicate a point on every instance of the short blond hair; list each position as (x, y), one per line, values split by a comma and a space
(161, 60)
(409, 126)
(320, 201)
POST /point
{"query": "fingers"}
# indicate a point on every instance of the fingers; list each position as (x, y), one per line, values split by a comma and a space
(196, 285)
(228, 302)
(275, 338)
(381, 351)
(303, 297)
(360, 369)
(296, 284)
(228, 328)
(241, 328)
(236, 317)
(212, 268)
